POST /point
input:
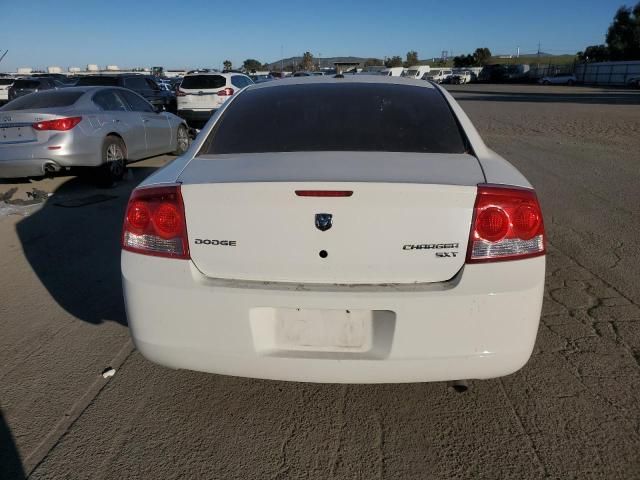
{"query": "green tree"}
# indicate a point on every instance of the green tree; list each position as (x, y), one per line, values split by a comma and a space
(307, 61)
(623, 36)
(373, 62)
(412, 59)
(251, 65)
(463, 61)
(594, 53)
(395, 61)
(482, 56)
(227, 65)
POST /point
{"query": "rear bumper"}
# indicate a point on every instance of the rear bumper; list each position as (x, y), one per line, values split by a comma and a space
(482, 324)
(30, 167)
(196, 115)
(30, 159)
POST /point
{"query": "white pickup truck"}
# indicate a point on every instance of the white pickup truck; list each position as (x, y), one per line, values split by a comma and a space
(439, 75)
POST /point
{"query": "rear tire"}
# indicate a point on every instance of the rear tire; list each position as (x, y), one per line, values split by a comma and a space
(571, 83)
(546, 82)
(182, 140)
(114, 163)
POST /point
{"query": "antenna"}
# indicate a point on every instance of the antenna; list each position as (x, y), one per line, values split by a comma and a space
(3, 55)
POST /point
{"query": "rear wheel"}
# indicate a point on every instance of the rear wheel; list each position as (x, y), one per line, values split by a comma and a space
(114, 161)
(546, 82)
(182, 140)
(571, 83)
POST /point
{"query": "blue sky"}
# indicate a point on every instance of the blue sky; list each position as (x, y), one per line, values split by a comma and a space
(190, 33)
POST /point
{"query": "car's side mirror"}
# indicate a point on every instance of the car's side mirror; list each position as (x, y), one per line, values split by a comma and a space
(158, 108)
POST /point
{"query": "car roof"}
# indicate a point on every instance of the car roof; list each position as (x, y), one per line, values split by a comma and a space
(346, 79)
(94, 88)
(220, 74)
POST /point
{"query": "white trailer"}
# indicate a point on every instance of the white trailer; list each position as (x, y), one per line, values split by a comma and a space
(393, 71)
(417, 71)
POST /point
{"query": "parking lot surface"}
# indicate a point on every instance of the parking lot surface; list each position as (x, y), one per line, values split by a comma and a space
(572, 412)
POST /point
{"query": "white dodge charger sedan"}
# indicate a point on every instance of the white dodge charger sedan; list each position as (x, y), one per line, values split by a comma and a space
(350, 229)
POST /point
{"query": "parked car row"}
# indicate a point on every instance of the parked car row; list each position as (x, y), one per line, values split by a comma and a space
(142, 84)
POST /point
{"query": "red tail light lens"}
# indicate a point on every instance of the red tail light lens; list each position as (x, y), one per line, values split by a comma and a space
(155, 223)
(59, 124)
(507, 225)
(492, 224)
(225, 92)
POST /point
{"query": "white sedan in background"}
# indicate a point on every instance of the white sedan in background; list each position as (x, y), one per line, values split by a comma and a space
(371, 238)
(559, 79)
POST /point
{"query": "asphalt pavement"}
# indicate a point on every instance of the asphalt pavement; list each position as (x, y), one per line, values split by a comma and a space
(572, 412)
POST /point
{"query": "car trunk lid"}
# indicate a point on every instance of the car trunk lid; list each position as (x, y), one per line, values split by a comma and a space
(406, 220)
(16, 127)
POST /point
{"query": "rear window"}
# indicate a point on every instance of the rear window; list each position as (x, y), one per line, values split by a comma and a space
(6, 81)
(337, 117)
(26, 83)
(202, 82)
(47, 99)
(97, 81)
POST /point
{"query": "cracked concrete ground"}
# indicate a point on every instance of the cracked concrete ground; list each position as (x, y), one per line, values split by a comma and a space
(572, 412)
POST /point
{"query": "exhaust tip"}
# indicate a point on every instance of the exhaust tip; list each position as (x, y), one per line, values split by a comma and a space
(460, 386)
(50, 168)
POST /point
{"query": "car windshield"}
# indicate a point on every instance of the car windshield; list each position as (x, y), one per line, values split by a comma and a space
(411, 73)
(202, 82)
(338, 117)
(97, 81)
(47, 99)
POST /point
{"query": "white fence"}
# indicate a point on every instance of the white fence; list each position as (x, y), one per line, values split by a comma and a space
(607, 73)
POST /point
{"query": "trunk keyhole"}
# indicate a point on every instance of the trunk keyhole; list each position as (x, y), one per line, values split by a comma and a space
(323, 254)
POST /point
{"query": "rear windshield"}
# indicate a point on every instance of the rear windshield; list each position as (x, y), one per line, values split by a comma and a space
(6, 81)
(337, 117)
(201, 82)
(26, 84)
(46, 99)
(97, 81)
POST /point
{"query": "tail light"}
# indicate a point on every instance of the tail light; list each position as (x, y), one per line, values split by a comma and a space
(154, 223)
(180, 93)
(225, 92)
(507, 225)
(59, 124)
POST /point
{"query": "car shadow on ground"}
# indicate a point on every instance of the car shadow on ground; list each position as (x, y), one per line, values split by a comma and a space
(10, 464)
(73, 245)
(613, 97)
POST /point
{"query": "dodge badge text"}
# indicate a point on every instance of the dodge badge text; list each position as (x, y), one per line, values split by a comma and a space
(224, 243)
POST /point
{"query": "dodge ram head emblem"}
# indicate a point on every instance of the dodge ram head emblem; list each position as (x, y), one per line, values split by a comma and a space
(324, 221)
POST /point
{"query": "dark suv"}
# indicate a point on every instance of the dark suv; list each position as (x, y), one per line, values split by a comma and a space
(24, 86)
(141, 84)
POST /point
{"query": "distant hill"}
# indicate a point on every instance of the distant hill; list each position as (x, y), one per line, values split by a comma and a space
(324, 61)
